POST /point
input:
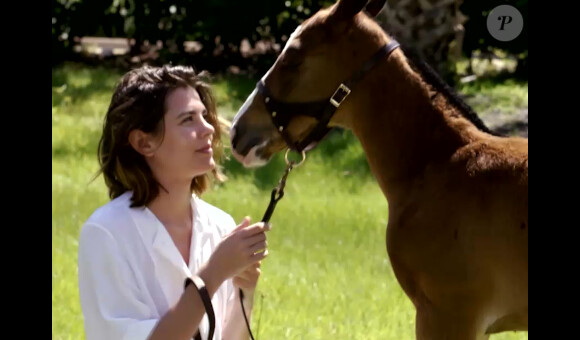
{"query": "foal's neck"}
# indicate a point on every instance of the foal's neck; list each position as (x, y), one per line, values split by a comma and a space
(401, 128)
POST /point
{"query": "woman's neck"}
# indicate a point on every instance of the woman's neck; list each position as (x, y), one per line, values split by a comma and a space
(172, 206)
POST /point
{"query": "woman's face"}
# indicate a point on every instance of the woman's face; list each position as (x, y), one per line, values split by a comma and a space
(185, 150)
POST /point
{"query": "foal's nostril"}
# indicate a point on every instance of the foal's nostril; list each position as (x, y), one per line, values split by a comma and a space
(249, 144)
(242, 143)
(236, 138)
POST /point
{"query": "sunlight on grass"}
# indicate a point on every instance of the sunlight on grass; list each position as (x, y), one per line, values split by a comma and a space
(484, 96)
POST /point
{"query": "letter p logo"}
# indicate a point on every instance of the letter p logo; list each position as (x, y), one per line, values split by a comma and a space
(505, 23)
(504, 20)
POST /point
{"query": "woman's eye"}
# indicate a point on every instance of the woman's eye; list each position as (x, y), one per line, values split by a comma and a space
(188, 119)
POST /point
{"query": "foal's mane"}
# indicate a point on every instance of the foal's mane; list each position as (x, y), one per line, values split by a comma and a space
(431, 77)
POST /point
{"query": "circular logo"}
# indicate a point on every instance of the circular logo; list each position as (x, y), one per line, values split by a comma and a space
(505, 22)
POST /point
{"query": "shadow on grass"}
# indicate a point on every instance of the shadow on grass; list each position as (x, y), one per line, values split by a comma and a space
(516, 128)
(79, 82)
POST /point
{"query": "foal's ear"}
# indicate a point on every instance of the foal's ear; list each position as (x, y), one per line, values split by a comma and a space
(346, 9)
(374, 7)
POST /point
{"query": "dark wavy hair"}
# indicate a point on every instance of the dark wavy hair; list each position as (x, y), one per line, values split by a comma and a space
(138, 102)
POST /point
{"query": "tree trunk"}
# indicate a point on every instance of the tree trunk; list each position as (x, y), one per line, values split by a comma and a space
(433, 28)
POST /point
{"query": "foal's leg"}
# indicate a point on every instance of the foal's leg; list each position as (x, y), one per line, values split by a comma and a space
(432, 324)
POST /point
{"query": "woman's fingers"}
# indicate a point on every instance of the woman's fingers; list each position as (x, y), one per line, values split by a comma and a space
(251, 241)
(245, 222)
(242, 283)
(258, 247)
(254, 229)
(259, 256)
(250, 274)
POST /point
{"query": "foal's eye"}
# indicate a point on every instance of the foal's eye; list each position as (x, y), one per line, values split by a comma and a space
(291, 64)
(291, 58)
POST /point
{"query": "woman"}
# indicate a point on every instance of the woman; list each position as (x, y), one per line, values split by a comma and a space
(158, 153)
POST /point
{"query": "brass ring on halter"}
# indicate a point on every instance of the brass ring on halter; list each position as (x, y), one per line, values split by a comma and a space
(293, 163)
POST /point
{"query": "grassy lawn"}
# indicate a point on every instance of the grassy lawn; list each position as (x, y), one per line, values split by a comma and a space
(328, 275)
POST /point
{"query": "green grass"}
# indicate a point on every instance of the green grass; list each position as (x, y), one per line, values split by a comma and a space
(487, 95)
(328, 275)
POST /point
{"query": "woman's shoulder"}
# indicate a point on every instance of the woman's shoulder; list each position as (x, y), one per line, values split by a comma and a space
(113, 215)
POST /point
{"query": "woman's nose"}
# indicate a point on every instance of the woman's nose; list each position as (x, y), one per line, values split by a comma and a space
(208, 129)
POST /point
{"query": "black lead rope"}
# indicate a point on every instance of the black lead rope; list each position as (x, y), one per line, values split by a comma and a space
(281, 113)
(277, 194)
(323, 112)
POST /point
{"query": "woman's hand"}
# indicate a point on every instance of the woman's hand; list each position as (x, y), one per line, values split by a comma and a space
(238, 251)
(248, 279)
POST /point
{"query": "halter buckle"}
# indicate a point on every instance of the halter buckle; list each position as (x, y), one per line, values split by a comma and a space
(339, 95)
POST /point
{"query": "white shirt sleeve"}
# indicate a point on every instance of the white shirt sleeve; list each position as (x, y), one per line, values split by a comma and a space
(109, 295)
(228, 225)
(231, 301)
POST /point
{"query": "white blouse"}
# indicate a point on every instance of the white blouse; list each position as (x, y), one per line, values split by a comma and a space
(130, 271)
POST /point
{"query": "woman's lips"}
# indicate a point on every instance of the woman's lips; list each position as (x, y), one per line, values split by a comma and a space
(205, 149)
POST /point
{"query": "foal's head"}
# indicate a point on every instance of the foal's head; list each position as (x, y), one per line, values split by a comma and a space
(326, 50)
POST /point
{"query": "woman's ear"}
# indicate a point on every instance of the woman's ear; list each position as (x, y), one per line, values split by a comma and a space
(142, 142)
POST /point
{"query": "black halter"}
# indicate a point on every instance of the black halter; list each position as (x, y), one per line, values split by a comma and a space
(281, 112)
